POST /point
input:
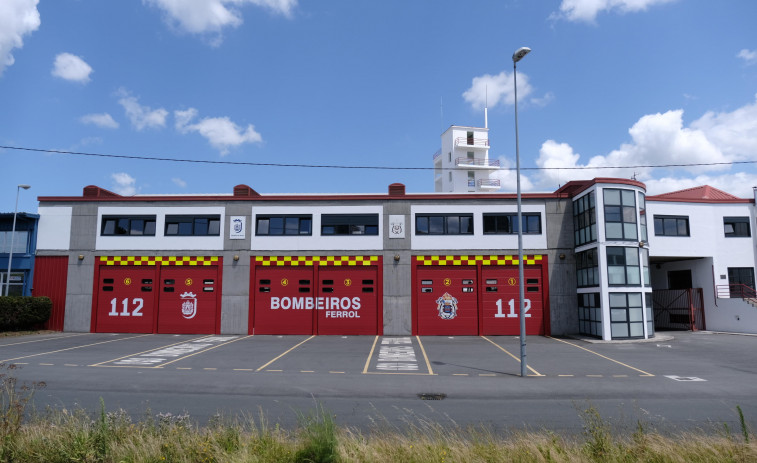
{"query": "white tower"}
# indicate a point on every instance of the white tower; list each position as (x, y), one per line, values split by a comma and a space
(462, 164)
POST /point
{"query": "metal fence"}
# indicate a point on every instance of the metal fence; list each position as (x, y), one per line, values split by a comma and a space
(678, 309)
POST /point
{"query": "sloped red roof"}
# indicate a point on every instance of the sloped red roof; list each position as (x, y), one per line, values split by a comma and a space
(700, 194)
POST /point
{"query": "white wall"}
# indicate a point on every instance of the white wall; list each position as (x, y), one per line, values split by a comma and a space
(731, 315)
(477, 240)
(54, 229)
(316, 242)
(159, 241)
(707, 235)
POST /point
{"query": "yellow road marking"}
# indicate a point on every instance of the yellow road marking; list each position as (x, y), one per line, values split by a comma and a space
(47, 364)
(70, 365)
(183, 368)
(486, 374)
(459, 374)
(307, 371)
(243, 369)
(370, 356)
(288, 351)
(425, 357)
(275, 370)
(566, 376)
(535, 373)
(337, 372)
(71, 348)
(593, 376)
(200, 352)
(620, 376)
(604, 357)
(46, 339)
(210, 369)
(146, 351)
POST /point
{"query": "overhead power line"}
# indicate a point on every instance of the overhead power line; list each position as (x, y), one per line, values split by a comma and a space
(336, 166)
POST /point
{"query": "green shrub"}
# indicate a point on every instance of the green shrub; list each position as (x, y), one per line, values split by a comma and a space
(23, 313)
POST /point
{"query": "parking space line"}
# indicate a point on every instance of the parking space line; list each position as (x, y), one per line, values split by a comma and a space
(144, 352)
(283, 354)
(370, 356)
(46, 339)
(72, 348)
(243, 369)
(535, 373)
(603, 356)
(425, 357)
(202, 351)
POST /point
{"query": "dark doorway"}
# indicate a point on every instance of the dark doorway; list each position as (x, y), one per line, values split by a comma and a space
(679, 279)
(741, 281)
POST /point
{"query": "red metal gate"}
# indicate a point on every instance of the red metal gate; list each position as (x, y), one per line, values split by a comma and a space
(349, 300)
(472, 295)
(157, 294)
(50, 279)
(188, 300)
(315, 295)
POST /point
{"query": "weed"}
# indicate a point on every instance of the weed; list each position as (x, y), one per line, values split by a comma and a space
(319, 437)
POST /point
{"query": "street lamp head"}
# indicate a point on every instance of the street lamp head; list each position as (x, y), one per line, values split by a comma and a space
(520, 53)
(25, 187)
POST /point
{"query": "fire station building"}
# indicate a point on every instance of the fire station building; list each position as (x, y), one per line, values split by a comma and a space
(395, 263)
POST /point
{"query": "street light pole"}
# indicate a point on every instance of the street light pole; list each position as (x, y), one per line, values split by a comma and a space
(517, 56)
(13, 235)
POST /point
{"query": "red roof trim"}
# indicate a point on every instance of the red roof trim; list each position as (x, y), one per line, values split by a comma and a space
(576, 187)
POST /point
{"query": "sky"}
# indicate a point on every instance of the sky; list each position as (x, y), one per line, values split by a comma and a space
(610, 88)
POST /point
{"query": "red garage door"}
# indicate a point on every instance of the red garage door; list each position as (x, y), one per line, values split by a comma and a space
(316, 295)
(283, 300)
(501, 302)
(157, 294)
(447, 301)
(349, 300)
(188, 300)
(126, 300)
(471, 295)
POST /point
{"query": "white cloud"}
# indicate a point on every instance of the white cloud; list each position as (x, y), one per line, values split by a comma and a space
(496, 90)
(103, 120)
(71, 67)
(587, 10)
(141, 117)
(124, 184)
(212, 16)
(544, 100)
(749, 56)
(17, 18)
(179, 182)
(221, 132)
(662, 139)
(508, 179)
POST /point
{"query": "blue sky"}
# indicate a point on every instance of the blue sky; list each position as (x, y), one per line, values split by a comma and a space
(609, 83)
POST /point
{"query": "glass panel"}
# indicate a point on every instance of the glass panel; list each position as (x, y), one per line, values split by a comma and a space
(306, 226)
(632, 256)
(421, 225)
(490, 224)
(291, 225)
(436, 225)
(634, 315)
(634, 299)
(201, 226)
(453, 225)
(632, 276)
(262, 226)
(618, 315)
(617, 299)
(616, 256)
(123, 227)
(619, 330)
(637, 330)
(214, 227)
(613, 214)
(612, 197)
(150, 228)
(614, 231)
(185, 228)
(110, 227)
(137, 227)
(276, 226)
(630, 231)
(683, 227)
(466, 225)
(628, 197)
(172, 229)
(650, 329)
(629, 214)
(616, 275)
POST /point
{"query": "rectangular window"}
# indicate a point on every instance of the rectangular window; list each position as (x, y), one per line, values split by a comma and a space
(284, 225)
(620, 214)
(584, 220)
(20, 242)
(349, 224)
(623, 267)
(587, 268)
(736, 226)
(193, 225)
(128, 226)
(671, 225)
(643, 216)
(443, 224)
(626, 316)
(506, 224)
(590, 314)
